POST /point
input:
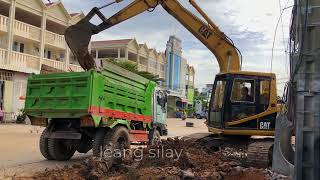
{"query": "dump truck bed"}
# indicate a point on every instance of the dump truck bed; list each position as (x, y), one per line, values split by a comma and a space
(59, 95)
(113, 92)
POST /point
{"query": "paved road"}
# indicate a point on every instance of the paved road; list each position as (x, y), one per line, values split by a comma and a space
(19, 152)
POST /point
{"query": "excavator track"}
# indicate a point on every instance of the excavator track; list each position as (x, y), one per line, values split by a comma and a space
(260, 154)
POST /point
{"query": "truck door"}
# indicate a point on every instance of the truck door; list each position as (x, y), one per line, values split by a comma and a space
(160, 107)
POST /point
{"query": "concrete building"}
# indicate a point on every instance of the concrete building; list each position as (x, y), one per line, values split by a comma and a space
(206, 91)
(176, 75)
(31, 34)
(190, 72)
(128, 49)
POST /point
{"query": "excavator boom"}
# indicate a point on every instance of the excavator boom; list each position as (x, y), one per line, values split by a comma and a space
(79, 35)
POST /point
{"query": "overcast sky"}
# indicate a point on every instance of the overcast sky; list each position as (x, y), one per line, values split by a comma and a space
(250, 24)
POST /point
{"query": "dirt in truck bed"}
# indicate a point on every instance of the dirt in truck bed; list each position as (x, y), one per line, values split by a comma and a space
(173, 159)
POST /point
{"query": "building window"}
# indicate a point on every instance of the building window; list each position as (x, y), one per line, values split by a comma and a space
(162, 67)
(21, 48)
(153, 64)
(61, 57)
(15, 46)
(243, 91)
(143, 61)
(47, 54)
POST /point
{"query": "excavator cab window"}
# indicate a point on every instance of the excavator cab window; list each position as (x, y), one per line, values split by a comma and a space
(217, 102)
(264, 97)
(243, 91)
(242, 99)
(218, 97)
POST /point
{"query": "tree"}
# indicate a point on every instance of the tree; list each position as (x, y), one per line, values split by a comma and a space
(133, 67)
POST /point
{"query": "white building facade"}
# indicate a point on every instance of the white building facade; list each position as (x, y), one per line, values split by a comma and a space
(31, 34)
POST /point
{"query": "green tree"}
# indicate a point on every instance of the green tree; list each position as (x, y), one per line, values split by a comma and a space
(133, 67)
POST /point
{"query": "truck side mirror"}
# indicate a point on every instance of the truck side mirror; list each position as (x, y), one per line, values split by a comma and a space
(159, 100)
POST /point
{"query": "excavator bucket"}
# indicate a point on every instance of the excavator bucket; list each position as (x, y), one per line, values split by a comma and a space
(78, 37)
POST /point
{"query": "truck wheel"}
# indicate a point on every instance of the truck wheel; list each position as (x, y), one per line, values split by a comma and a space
(156, 138)
(43, 145)
(85, 144)
(119, 136)
(61, 149)
(198, 116)
(98, 141)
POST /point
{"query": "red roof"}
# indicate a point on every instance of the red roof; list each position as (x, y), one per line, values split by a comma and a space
(119, 41)
(74, 14)
(49, 4)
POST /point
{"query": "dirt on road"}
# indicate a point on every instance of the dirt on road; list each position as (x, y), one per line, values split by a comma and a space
(20, 155)
(195, 161)
(20, 158)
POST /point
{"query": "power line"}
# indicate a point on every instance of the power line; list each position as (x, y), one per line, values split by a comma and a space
(275, 34)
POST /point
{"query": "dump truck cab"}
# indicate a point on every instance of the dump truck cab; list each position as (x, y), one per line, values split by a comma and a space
(159, 120)
(243, 103)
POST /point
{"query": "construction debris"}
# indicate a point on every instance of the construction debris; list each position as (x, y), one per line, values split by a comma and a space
(173, 159)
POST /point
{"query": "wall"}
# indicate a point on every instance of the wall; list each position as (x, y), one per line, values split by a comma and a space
(19, 87)
(190, 96)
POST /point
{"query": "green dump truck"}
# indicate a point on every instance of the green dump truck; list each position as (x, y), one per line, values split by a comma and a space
(87, 110)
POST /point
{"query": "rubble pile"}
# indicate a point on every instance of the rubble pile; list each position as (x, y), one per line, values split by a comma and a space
(173, 159)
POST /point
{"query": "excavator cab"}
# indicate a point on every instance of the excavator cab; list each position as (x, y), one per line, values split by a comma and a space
(243, 103)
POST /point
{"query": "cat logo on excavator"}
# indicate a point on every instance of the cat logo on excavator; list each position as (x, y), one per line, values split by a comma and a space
(205, 32)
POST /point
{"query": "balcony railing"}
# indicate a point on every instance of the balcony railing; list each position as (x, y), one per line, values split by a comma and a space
(23, 60)
(3, 23)
(3, 56)
(55, 64)
(55, 40)
(142, 67)
(31, 64)
(26, 30)
(75, 68)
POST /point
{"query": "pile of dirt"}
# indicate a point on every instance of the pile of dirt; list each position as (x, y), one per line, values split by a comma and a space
(173, 159)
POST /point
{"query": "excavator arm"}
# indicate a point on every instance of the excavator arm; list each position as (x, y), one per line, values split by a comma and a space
(79, 35)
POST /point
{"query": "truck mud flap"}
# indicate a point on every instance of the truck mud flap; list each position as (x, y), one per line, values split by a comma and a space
(63, 135)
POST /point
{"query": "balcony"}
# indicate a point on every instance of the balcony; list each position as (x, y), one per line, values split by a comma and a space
(3, 23)
(31, 64)
(162, 75)
(3, 55)
(27, 31)
(75, 68)
(19, 62)
(142, 67)
(56, 40)
(32, 32)
(55, 64)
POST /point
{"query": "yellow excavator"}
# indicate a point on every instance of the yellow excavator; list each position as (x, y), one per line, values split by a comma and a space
(242, 103)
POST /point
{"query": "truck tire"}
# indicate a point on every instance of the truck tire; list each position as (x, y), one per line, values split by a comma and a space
(61, 149)
(85, 144)
(198, 116)
(156, 138)
(119, 136)
(43, 145)
(98, 141)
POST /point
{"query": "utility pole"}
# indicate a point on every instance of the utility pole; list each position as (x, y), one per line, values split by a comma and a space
(305, 68)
